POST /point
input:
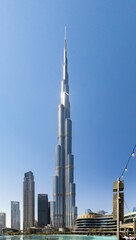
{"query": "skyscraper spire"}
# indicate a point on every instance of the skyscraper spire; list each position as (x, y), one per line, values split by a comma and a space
(65, 32)
(65, 73)
(65, 46)
(63, 209)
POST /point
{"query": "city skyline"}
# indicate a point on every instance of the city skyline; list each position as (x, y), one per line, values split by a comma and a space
(102, 55)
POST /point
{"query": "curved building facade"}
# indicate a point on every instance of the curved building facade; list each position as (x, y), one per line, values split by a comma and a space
(63, 210)
(94, 222)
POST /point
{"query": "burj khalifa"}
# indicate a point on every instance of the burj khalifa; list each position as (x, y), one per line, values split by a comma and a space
(63, 209)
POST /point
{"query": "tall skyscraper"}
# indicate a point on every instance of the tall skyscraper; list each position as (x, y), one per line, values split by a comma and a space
(2, 220)
(15, 215)
(63, 210)
(28, 200)
(43, 210)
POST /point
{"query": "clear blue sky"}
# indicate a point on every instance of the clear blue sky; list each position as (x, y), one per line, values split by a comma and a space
(101, 38)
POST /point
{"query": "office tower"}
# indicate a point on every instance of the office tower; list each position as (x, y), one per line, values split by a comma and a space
(48, 212)
(2, 220)
(43, 210)
(28, 200)
(63, 210)
(15, 215)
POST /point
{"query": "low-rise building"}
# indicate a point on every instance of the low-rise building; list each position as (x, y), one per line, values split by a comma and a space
(95, 223)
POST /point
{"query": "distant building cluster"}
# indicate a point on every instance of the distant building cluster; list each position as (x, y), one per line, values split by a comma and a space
(29, 205)
(28, 208)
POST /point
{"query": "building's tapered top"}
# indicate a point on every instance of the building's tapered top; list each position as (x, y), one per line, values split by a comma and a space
(64, 84)
(65, 48)
(65, 76)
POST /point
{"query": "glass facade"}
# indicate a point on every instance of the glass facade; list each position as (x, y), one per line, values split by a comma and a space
(28, 200)
(15, 215)
(2, 220)
(63, 209)
(43, 210)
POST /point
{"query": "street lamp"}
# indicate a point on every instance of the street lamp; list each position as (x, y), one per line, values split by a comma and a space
(119, 188)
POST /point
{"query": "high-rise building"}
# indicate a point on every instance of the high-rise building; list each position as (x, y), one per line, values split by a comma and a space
(15, 215)
(63, 210)
(28, 200)
(49, 213)
(2, 220)
(43, 210)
